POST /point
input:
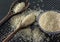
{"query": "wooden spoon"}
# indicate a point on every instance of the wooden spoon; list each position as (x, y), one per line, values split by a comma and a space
(29, 18)
(11, 13)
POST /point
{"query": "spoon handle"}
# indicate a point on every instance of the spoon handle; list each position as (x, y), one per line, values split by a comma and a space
(10, 36)
(5, 18)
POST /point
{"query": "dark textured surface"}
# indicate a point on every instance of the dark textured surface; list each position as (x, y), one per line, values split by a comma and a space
(43, 4)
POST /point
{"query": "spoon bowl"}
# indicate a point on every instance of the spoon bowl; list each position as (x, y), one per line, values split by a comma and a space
(10, 13)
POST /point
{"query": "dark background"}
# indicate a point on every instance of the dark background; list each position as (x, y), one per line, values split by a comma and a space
(4, 7)
(48, 5)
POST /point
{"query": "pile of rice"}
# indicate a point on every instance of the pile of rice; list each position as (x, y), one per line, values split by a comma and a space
(26, 34)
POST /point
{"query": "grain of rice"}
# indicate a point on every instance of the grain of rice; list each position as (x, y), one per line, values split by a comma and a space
(38, 36)
(29, 19)
(16, 20)
(18, 7)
